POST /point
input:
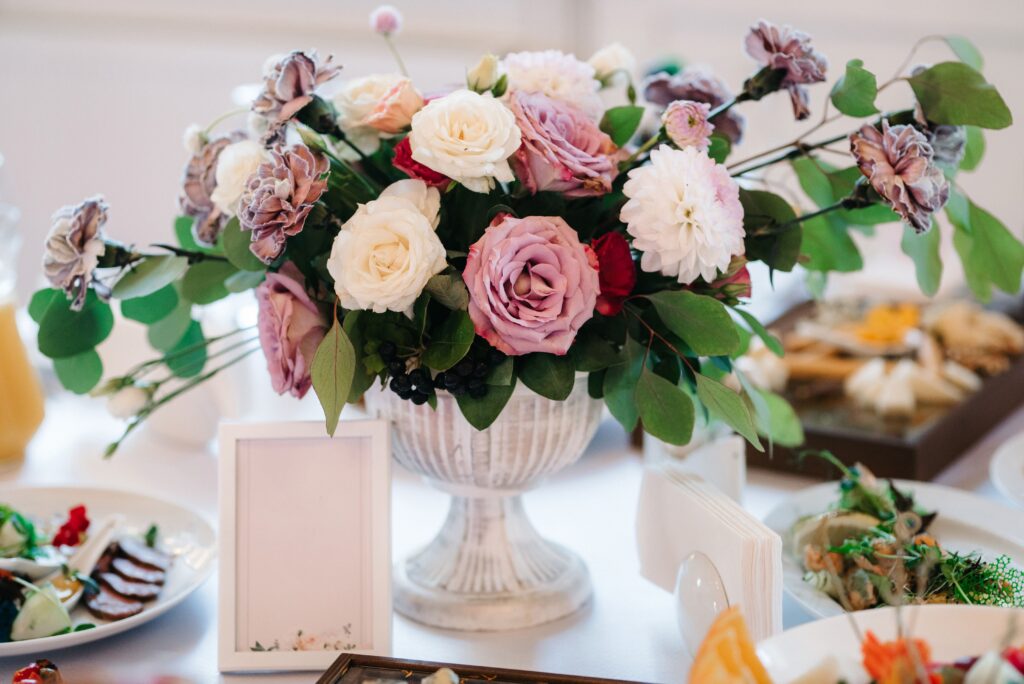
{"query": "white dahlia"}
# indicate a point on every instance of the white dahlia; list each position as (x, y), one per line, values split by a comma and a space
(684, 214)
(557, 75)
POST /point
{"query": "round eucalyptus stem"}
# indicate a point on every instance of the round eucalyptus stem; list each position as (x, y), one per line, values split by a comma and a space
(193, 256)
(799, 150)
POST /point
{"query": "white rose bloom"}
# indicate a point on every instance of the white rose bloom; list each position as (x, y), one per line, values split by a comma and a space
(193, 138)
(385, 254)
(422, 196)
(612, 60)
(557, 75)
(684, 214)
(354, 102)
(127, 402)
(467, 137)
(484, 75)
(236, 163)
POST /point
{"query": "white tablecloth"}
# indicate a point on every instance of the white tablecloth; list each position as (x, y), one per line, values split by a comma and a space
(627, 632)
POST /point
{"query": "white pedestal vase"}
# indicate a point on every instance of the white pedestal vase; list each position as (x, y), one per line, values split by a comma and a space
(488, 568)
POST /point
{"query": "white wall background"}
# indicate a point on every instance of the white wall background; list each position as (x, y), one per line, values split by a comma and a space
(95, 94)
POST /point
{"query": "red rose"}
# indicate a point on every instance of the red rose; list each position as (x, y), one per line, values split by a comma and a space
(404, 162)
(616, 272)
(735, 283)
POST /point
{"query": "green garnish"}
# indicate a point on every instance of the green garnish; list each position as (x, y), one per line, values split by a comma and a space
(151, 535)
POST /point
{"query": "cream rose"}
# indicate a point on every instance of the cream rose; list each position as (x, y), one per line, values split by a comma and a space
(386, 253)
(467, 137)
(356, 101)
(235, 165)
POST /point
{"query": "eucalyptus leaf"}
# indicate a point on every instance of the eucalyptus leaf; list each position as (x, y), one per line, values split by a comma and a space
(990, 253)
(482, 412)
(701, 321)
(854, 93)
(827, 246)
(450, 342)
(620, 123)
(449, 290)
(548, 375)
(923, 248)
(770, 341)
(187, 358)
(79, 373)
(363, 375)
(619, 387)
(203, 283)
(666, 411)
(152, 307)
(41, 301)
(762, 212)
(149, 275)
(244, 280)
(503, 373)
(165, 333)
(965, 51)
(187, 240)
(719, 147)
(591, 352)
(778, 421)
(63, 332)
(728, 406)
(332, 370)
(974, 150)
(957, 94)
(237, 247)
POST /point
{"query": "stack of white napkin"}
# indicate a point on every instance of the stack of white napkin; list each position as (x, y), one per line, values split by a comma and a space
(680, 513)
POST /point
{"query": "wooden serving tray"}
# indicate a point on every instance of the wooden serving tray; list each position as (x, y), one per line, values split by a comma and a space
(355, 669)
(915, 448)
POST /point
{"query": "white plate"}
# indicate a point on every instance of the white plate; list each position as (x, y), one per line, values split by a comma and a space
(1007, 469)
(966, 523)
(182, 532)
(951, 631)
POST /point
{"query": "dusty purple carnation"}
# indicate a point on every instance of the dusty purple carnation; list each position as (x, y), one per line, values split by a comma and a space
(786, 48)
(686, 124)
(198, 182)
(288, 87)
(696, 85)
(279, 196)
(898, 162)
(531, 283)
(563, 150)
(73, 248)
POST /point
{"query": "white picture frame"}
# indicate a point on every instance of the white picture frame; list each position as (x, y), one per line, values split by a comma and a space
(286, 488)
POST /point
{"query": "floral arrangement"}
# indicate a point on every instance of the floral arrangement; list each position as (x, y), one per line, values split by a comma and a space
(517, 229)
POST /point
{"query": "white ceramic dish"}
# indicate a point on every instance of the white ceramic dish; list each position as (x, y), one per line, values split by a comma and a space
(951, 631)
(966, 523)
(182, 532)
(1007, 469)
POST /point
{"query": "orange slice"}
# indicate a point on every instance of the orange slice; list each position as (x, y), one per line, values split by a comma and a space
(727, 655)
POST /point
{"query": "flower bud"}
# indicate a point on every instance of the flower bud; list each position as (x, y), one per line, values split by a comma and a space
(128, 402)
(611, 61)
(194, 138)
(484, 75)
(386, 20)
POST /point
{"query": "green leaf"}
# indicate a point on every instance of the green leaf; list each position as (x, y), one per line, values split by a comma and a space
(770, 341)
(778, 421)
(827, 246)
(449, 290)
(503, 373)
(666, 411)
(450, 342)
(244, 280)
(954, 93)
(762, 211)
(237, 244)
(149, 275)
(187, 358)
(620, 123)
(729, 407)
(814, 181)
(480, 413)
(854, 94)
(152, 307)
(79, 373)
(332, 370)
(701, 321)
(64, 333)
(719, 148)
(974, 150)
(500, 86)
(41, 301)
(204, 282)
(548, 375)
(362, 375)
(991, 255)
(168, 331)
(923, 248)
(183, 231)
(965, 51)
(591, 352)
(620, 385)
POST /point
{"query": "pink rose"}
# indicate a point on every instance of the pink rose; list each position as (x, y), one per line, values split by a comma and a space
(394, 112)
(532, 284)
(290, 328)
(563, 150)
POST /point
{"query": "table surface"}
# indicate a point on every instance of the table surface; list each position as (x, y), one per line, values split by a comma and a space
(628, 631)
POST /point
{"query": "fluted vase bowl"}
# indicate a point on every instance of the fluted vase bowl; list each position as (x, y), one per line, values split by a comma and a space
(488, 568)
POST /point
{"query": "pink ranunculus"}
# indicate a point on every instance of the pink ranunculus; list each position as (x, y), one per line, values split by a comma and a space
(291, 327)
(686, 124)
(394, 112)
(563, 149)
(532, 284)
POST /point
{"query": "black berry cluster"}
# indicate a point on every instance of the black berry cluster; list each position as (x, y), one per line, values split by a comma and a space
(469, 376)
(416, 385)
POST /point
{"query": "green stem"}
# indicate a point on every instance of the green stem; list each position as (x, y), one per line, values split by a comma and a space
(632, 159)
(799, 150)
(223, 117)
(184, 351)
(193, 257)
(394, 53)
(771, 229)
(197, 364)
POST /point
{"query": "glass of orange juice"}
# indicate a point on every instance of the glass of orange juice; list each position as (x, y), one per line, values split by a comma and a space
(21, 397)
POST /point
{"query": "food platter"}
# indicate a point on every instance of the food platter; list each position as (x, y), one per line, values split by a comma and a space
(182, 533)
(966, 523)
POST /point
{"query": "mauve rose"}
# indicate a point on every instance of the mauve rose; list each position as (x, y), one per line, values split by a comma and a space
(532, 284)
(290, 329)
(563, 150)
(404, 162)
(279, 196)
(616, 272)
(394, 111)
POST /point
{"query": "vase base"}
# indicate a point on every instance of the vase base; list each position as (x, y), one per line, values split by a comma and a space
(492, 611)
